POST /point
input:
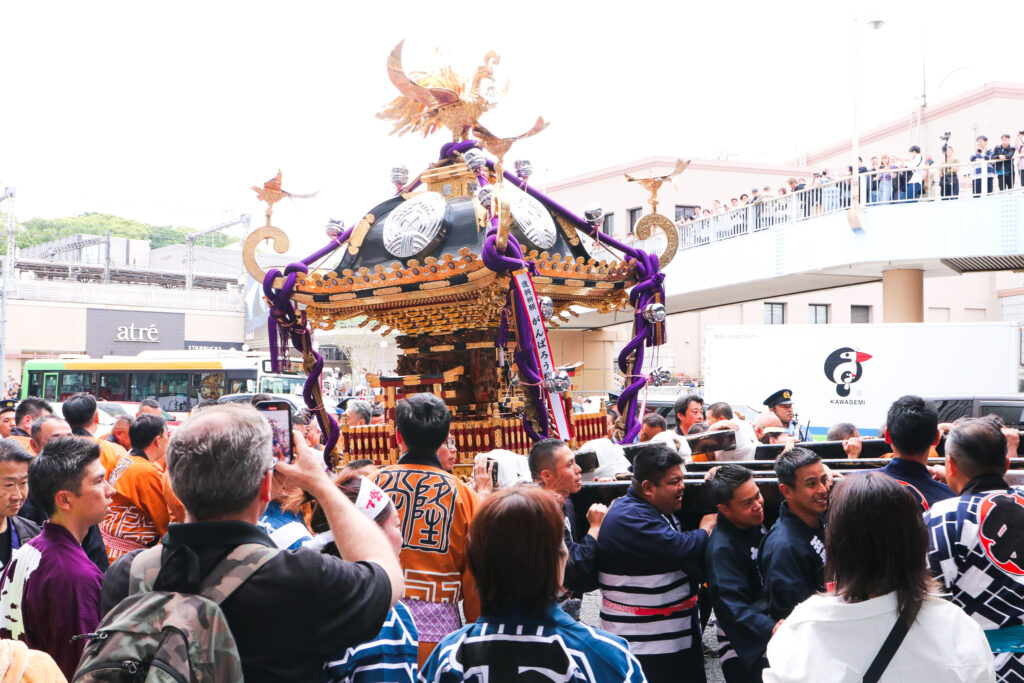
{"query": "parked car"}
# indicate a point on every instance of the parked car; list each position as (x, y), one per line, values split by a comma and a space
(118, 408)
(1009, 407)
(107, 419)
(665, 408)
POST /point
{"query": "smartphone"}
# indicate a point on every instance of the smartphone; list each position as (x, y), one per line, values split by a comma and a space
(279, 415)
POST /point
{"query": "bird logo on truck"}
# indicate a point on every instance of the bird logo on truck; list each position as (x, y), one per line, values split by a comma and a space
(843, 368)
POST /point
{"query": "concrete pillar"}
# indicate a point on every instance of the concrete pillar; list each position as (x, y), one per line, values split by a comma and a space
(903, 296)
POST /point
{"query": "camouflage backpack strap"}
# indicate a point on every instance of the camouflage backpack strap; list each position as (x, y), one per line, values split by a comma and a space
(234, 570)
(145, 566)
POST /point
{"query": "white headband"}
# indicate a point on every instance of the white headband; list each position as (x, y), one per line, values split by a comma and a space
(371, 501)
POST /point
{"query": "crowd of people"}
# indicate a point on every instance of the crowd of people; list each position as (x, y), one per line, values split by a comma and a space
(892, 177)
(199, 553)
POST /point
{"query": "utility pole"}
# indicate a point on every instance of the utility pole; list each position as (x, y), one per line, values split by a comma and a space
(9, 227)
(190, 243)
(106, 260)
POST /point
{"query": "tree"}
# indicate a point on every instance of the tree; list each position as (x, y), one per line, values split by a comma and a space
(40, 230)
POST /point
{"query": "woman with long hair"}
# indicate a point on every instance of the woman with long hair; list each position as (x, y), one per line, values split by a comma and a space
(516, 552)
(880, 593)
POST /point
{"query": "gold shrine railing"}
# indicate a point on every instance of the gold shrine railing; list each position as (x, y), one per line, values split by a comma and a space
(377, 442)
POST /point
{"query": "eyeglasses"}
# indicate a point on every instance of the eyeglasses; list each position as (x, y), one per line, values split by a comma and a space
(451, 443)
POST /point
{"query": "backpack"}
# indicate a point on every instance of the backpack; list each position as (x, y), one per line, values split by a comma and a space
(163, 636)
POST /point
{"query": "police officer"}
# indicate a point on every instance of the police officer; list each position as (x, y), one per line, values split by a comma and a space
(6, 417)
(781, 403)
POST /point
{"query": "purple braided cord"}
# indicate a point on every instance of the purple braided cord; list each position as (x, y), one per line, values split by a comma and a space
(650, 287)
(285, 322)
(526, 361)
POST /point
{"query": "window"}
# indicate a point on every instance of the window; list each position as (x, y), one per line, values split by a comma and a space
(860, 314)
(113, 386)
(686, 211)
(173, 392)
(35, 383)
(937, 315)
(72, 383)
(207, 386)
(774, 314)
(608, 225)
(817, 314)
(1012, 414)
(142, 385)
(634, 217)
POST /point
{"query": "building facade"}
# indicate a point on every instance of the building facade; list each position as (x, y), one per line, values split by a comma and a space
(992, 110)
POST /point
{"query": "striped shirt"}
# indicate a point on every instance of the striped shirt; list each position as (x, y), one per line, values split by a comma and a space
(388, 658)
(646, 575)
(514, 646)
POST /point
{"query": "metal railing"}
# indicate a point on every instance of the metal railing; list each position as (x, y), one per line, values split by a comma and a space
(129, 295)
(939, 182)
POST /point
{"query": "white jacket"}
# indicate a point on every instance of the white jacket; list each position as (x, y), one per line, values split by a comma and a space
(827, 639)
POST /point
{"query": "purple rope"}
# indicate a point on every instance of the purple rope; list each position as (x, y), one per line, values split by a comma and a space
(285, 322)
(525, 359)
(650, 286)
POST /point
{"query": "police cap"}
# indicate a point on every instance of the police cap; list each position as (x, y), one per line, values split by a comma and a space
(782, 397)
(7, 405)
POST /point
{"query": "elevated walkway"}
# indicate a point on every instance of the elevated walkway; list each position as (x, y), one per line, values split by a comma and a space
(803, 242)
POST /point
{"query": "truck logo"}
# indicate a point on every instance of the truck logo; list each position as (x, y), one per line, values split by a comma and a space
(843, 368)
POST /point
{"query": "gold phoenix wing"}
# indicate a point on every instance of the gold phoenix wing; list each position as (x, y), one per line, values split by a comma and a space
(500, 146)
(654, 184)
(272, 193)
(435, 100)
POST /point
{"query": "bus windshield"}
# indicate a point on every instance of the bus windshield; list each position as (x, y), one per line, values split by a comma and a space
(281, 384)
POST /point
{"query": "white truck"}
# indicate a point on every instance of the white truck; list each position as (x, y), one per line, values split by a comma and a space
(852, 373)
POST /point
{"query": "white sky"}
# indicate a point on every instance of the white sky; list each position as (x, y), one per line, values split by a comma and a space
(168, 112)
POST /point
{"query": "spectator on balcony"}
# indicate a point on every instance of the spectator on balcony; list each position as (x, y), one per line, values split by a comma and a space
(744, 199)
(1020, 156)
(1004, 164)
(873, 181)
(915, 165)
(899, 191)
(734, 203)
(830, 191)
(885, 179)
(982, 171)
(949, 181)
(755, 196)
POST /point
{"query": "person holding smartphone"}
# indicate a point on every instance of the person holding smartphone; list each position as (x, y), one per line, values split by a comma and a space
(306, 604)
